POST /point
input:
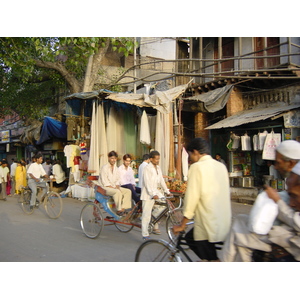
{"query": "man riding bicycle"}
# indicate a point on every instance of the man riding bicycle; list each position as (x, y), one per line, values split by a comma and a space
(35, 173)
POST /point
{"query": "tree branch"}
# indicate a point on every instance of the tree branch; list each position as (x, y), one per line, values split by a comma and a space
(74, 84)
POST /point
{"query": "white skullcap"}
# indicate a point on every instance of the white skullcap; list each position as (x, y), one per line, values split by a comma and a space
(289, 149)
(296, 168)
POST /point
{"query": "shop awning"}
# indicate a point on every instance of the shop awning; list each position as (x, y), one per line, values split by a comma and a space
(160, 100)
(52, 128)
(214, 100)
(254, 115)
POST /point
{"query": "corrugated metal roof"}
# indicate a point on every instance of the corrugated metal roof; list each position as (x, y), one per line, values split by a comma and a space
(254, 115)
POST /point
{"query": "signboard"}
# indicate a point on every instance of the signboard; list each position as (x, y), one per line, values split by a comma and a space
(5, 136)
(292, 119)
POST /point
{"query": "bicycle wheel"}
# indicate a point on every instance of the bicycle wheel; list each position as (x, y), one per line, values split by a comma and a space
(156, 251)
(53, 205)
(25, 201)
(174, 218)
(91, 220)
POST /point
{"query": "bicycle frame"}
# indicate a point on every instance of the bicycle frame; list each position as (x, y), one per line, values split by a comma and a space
(168, 209)
(180, 249)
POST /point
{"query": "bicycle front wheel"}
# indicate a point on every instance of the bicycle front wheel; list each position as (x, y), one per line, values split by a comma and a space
(53, 205)
(174, 218)
(25, 201)
(156, 251)
(91, 220)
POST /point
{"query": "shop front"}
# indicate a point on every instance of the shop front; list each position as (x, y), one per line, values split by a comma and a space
(247, 141)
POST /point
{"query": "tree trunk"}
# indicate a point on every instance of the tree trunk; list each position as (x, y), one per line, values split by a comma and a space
(95, 66)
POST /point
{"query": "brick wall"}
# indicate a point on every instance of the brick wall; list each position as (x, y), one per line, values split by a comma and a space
(235, 102)
(200, 124)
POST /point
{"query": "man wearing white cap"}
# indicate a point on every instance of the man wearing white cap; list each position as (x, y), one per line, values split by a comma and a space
(287, 235)
(287, 155)
(240, 242)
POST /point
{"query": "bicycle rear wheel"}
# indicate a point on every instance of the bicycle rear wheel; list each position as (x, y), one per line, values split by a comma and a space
(91, 220)
(53, 205)
(25, 201)
(156, 251)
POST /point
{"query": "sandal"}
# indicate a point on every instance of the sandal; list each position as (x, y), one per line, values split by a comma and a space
(156, 231)
(120, 212)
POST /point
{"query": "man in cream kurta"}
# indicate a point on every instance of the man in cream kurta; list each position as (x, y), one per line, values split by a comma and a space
(207, 200)
(109, 179)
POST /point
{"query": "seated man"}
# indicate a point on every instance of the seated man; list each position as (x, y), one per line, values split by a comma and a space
(34, 173)
(240, 243)
(109, 180)
(127, 178)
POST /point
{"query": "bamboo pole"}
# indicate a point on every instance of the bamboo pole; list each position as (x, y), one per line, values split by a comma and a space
(171, 158)
(179, 160)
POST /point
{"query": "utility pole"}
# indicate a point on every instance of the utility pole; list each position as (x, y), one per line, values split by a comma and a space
(134, 61)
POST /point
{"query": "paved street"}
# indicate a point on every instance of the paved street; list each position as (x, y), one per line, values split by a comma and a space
(37, 238)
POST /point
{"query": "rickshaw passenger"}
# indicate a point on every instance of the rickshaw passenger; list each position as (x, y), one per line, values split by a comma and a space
(127, 180)
(109, 180)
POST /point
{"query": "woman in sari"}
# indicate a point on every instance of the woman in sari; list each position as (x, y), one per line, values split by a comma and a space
(20, 177)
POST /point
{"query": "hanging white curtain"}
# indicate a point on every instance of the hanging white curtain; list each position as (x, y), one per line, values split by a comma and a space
(111, 130)
(120, 134)
(185, 163)
(145, 130)
(92, 162)
(102, 144)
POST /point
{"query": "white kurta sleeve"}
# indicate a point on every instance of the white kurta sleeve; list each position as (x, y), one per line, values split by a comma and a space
(288, 215)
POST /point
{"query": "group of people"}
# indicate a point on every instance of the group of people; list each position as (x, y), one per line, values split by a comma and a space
(21, 174)
(119, 182)
(12, 177)
(207, 201)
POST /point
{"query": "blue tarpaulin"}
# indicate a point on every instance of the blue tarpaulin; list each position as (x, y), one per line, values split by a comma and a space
(52, 128)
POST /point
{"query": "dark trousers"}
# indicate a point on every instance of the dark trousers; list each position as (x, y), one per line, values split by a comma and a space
(204, 249)
(134, 191)
(3, 190)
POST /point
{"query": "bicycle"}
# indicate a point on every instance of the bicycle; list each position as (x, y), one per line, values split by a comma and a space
(162, 251)
(92, 220)
(52, 201)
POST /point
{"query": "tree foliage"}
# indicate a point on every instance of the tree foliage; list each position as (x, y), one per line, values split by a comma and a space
(33, 69)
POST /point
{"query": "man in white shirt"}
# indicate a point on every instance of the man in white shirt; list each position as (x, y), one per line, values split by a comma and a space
(35, 173)
(13, 168)
(109, 180)
(2, 186)
(154, 188)
(127, 180)
(145, 162)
